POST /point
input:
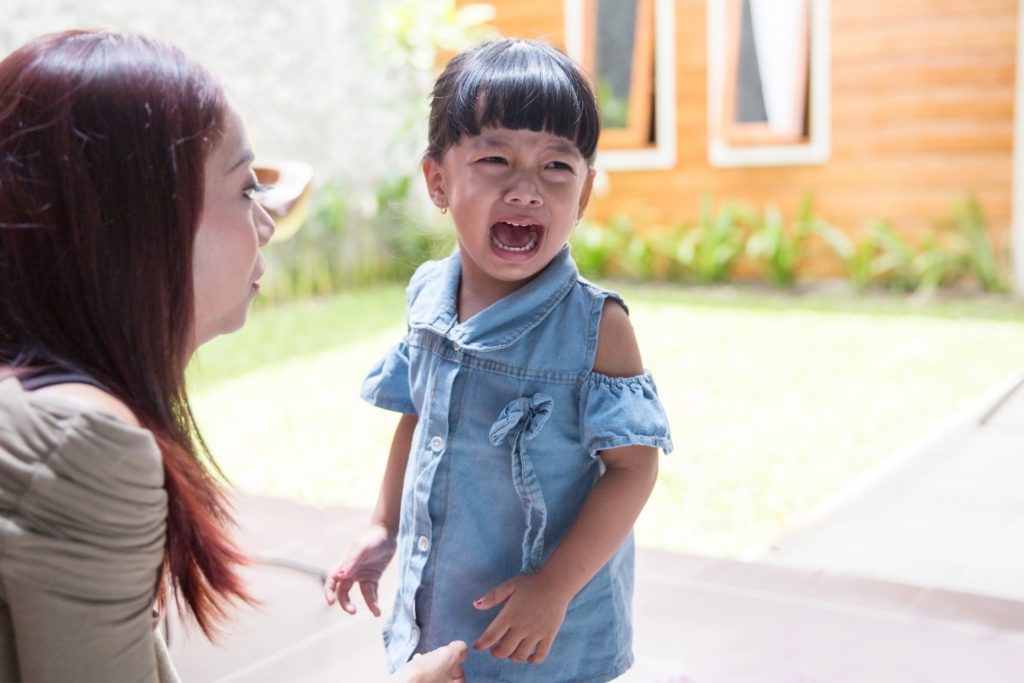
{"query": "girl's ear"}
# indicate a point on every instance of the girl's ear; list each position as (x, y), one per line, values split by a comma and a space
(588, 185)
(435, 183)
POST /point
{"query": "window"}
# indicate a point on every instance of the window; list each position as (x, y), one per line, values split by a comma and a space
(627, 47)
(768, 82)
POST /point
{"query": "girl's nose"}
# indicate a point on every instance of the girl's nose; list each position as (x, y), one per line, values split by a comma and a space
(523, 192)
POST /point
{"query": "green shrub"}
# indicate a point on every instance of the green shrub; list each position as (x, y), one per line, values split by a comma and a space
(352, 240)
(780, 250)
(710, 249)
(979, 256)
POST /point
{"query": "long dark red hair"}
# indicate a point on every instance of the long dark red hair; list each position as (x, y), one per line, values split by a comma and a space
(103, 144)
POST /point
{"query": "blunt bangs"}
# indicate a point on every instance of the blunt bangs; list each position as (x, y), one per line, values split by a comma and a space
(514, 84)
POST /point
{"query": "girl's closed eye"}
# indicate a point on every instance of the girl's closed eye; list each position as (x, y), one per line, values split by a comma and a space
(255, 190)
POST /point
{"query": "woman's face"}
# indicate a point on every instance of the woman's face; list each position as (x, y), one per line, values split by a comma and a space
(226, 263)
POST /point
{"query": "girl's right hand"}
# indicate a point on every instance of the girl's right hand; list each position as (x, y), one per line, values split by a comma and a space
(442, 665)
(365, 562)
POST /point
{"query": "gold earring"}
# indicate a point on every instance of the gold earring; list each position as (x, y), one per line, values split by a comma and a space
(444, 210)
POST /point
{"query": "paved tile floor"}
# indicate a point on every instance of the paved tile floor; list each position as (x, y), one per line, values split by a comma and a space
(915, 577)
(947, 513)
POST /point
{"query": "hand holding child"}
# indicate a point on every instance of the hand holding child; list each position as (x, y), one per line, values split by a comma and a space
(527, 625)
(442, 665)
(366, 560)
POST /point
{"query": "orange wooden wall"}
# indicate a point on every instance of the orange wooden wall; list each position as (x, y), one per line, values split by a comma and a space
(922, 112)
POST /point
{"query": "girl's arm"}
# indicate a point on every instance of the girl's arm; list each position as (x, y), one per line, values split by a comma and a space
(389, 500)
(536, 603)
(373, 549)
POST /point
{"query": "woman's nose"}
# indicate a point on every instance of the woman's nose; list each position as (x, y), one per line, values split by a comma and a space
(264, 225)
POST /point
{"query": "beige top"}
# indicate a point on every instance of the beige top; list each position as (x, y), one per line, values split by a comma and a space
(82, 530)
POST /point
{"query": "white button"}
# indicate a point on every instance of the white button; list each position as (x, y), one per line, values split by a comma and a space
(423, 543)
(436, 444)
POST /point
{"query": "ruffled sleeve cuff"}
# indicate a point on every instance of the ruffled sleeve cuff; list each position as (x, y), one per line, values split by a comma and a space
(622, 411)
(387, 385)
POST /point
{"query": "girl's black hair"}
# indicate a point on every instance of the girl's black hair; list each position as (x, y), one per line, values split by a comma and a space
(513, 84)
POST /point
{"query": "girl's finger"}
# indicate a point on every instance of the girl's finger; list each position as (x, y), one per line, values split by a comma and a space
(491, 636)
(541, 653)
(525, 649)
(369, 590)
(496, 596)
(507, 646)
(343, 599)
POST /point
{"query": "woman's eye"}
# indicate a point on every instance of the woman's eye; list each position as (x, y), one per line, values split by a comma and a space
(559, 166)
(256, 189)
(494, 160)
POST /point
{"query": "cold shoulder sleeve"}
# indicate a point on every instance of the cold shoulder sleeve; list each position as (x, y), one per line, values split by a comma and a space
(83, 518)
(387, 385)
(622, 411)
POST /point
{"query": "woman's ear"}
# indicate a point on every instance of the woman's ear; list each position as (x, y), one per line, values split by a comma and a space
(435, 183)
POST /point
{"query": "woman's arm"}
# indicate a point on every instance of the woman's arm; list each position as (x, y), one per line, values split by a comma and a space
(83, 551)
(63, 635)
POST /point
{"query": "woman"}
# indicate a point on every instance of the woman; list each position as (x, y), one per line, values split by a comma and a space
(129, 235)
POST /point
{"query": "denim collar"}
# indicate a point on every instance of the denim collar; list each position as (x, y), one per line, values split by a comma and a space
(502, 323)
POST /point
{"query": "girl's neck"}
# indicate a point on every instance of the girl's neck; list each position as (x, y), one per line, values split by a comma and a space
(477, 291)
(474, 298)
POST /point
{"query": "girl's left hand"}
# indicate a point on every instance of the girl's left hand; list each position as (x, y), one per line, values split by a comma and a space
(527, 625)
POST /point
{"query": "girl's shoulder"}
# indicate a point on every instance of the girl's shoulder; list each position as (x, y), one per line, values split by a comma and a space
(426, 276)
(618, 353)
(597, 292)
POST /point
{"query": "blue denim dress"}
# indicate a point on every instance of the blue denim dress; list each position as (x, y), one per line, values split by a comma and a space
(511, 421)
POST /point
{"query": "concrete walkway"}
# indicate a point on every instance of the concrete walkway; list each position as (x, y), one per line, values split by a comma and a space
(916, 574)
(946, 513)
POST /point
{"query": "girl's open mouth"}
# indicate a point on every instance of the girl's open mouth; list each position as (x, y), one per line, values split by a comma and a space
(515, 237)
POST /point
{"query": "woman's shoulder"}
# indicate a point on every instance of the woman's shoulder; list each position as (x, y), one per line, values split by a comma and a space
(89, 399)
(78, 421)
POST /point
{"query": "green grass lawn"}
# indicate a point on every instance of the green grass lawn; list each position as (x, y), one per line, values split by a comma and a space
(776, 402)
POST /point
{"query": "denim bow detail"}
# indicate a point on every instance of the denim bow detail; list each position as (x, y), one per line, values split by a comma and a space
(519, 421)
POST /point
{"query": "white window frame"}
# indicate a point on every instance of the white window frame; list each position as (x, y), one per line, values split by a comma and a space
(663, 154)
(818, 148)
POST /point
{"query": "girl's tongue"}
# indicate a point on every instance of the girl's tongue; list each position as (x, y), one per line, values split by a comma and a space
(514, 237)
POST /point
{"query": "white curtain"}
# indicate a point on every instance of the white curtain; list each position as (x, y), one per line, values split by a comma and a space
(780, 30)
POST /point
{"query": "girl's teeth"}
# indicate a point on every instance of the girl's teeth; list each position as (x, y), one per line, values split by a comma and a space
(526, 247)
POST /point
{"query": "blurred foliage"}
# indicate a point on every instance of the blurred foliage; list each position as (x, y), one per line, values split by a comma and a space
(780, 249)
(357, 236)
(979, 257)
(353, 240)
(414, 40)
(356, 239)
(614, 109)
(958, 249)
